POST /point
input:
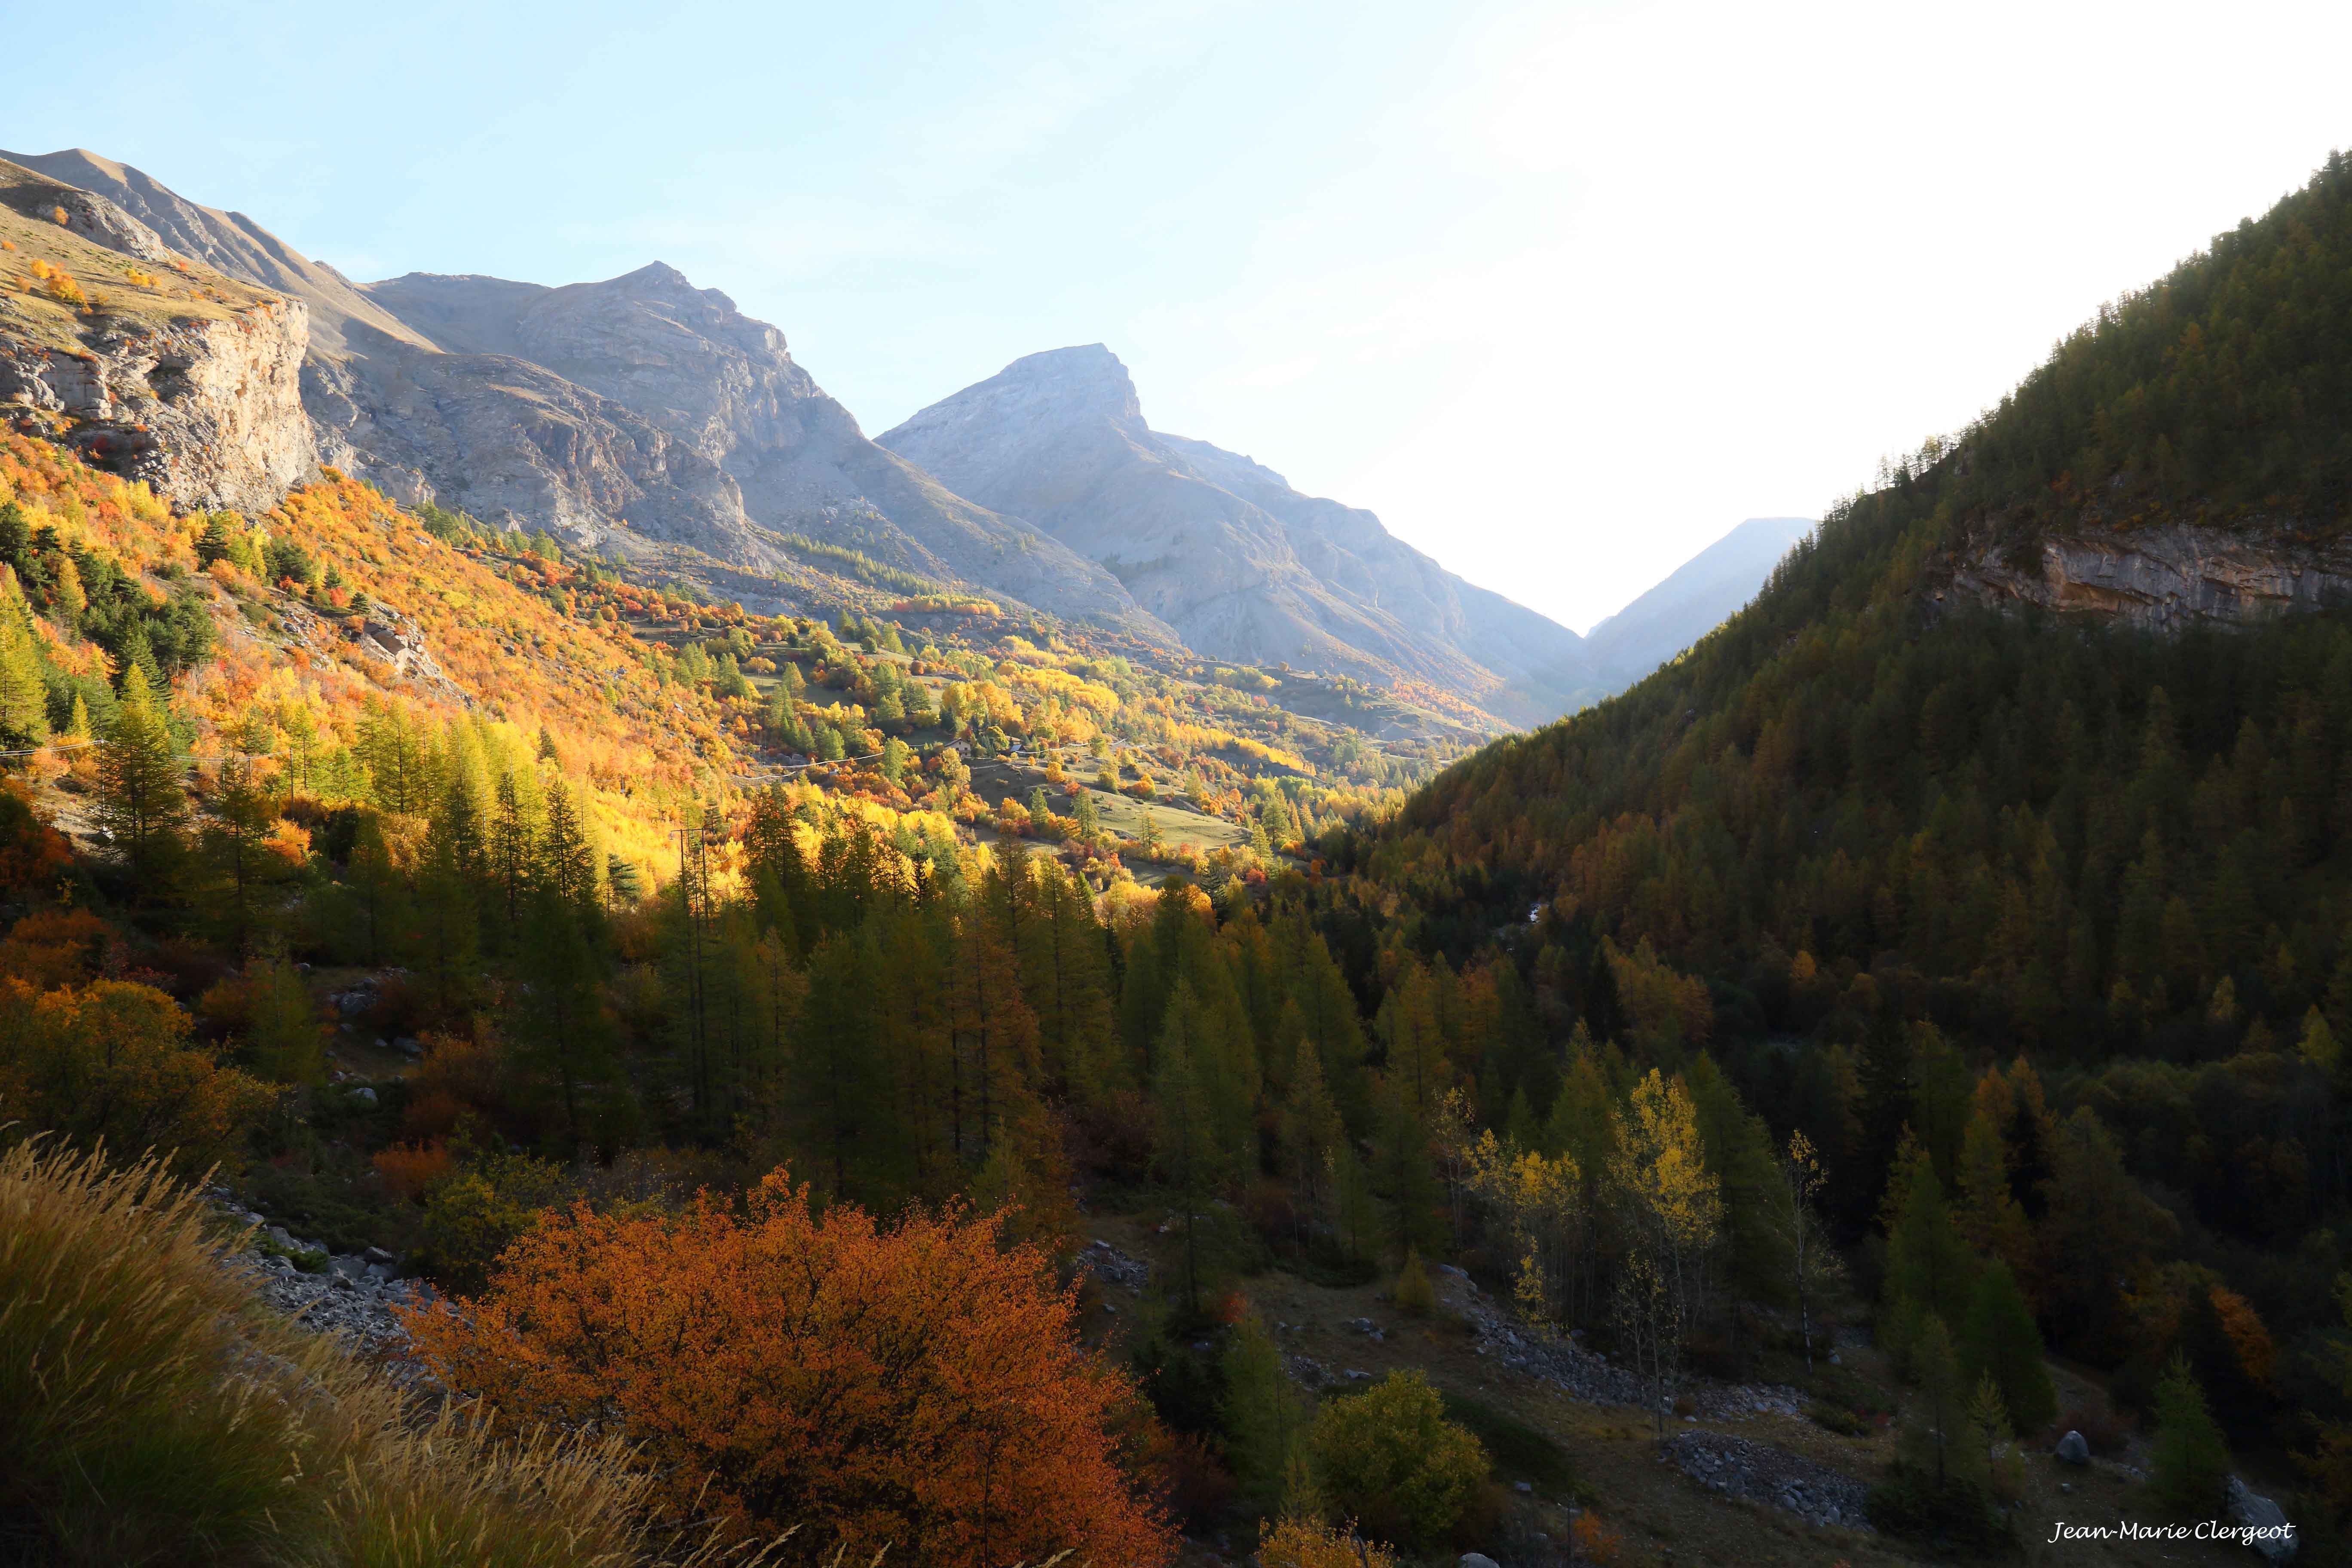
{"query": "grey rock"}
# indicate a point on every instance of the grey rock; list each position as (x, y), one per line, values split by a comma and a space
(348, 1267)
(2074, 1449)
(1478, 1559)
(2165, 578)
(1243, 566)
(2265, 1522)
(205, 405)
(364, 1095)
(1762, 1473)
(378, 1255)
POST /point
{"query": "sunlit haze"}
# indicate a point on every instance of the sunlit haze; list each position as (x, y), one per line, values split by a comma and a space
(1561, 291)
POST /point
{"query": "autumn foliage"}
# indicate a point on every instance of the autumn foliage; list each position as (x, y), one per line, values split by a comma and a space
(916, 1385)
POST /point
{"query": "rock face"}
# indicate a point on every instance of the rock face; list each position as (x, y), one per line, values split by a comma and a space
(1221, 549)
(2164, 578)
(191, 383)
(1691, 601)
(640, 400)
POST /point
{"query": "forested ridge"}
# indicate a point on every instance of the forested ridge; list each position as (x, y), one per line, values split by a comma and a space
(1919, 851)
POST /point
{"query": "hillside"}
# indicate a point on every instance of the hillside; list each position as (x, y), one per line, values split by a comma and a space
(640, 406)
(1223, 550)
(1692, 600)
(1964, 785)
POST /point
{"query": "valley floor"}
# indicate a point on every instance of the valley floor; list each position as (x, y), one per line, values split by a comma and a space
(1663, 1518)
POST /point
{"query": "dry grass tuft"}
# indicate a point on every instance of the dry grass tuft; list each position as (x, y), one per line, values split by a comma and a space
(158, 1413)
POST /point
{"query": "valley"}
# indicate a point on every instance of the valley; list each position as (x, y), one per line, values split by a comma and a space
(1023, 988)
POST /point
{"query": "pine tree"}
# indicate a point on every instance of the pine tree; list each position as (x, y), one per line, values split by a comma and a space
(141, 804)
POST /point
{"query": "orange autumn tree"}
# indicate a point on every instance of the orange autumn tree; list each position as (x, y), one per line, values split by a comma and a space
(917, 1384)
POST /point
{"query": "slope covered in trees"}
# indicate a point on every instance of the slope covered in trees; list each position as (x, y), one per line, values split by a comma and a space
(2060, 904)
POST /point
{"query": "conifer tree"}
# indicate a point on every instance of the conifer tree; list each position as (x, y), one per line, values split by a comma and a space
(1739, 1156)
(2190, 1463)
(1937, 1439)
(1190, 1158)
(1929, 1273)
(1999, 1339)
(141, 804)
(561, 1020)
(1311, 1129)
(23, 697)
(1264, 1420)
(282, 1039)
(242, 809)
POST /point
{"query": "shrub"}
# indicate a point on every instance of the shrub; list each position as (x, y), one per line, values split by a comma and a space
(408, 1170)
(111, 1062)
(1389, 1459)
(1310, 1543)
(474, 1216)
(1414, 1294)
(158, 1413)
(919, 1384)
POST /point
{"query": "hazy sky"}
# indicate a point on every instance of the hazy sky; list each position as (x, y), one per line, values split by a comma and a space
(1563, 292)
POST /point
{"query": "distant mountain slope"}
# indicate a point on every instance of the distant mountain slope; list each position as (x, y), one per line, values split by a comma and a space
(1221, 549)
(1693, 600)
(640, 398)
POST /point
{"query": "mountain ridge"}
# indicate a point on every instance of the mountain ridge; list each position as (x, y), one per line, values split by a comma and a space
(514, 440)
(1221, 548)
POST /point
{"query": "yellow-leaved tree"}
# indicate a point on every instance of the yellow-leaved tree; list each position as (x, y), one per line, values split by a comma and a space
(1673, 1210)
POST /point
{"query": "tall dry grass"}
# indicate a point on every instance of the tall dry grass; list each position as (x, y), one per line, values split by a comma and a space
(154, 1411)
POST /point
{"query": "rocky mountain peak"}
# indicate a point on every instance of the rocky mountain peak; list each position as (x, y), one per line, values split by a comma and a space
(1086, 381)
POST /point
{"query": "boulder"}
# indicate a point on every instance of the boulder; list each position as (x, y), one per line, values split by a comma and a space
(1477, 1559)
(2074, 1449)
(2265, 1523)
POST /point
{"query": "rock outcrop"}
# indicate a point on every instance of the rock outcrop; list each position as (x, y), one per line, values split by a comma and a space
(2163, 578)
(1220, 547)
(184, 378)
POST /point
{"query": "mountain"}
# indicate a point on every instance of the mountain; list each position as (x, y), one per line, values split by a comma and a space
(634, 409)
(1221, 549)
(158, 368)
(2035, 755)
(1691, 601)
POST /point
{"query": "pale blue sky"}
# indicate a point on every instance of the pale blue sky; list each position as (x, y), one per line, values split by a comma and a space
(1562, 290)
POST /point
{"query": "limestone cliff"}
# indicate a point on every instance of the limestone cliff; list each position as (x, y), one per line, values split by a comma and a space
(156, 368)
(2164, 578)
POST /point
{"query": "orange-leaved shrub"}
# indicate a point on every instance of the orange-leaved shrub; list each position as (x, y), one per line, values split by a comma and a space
(918, 1385)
